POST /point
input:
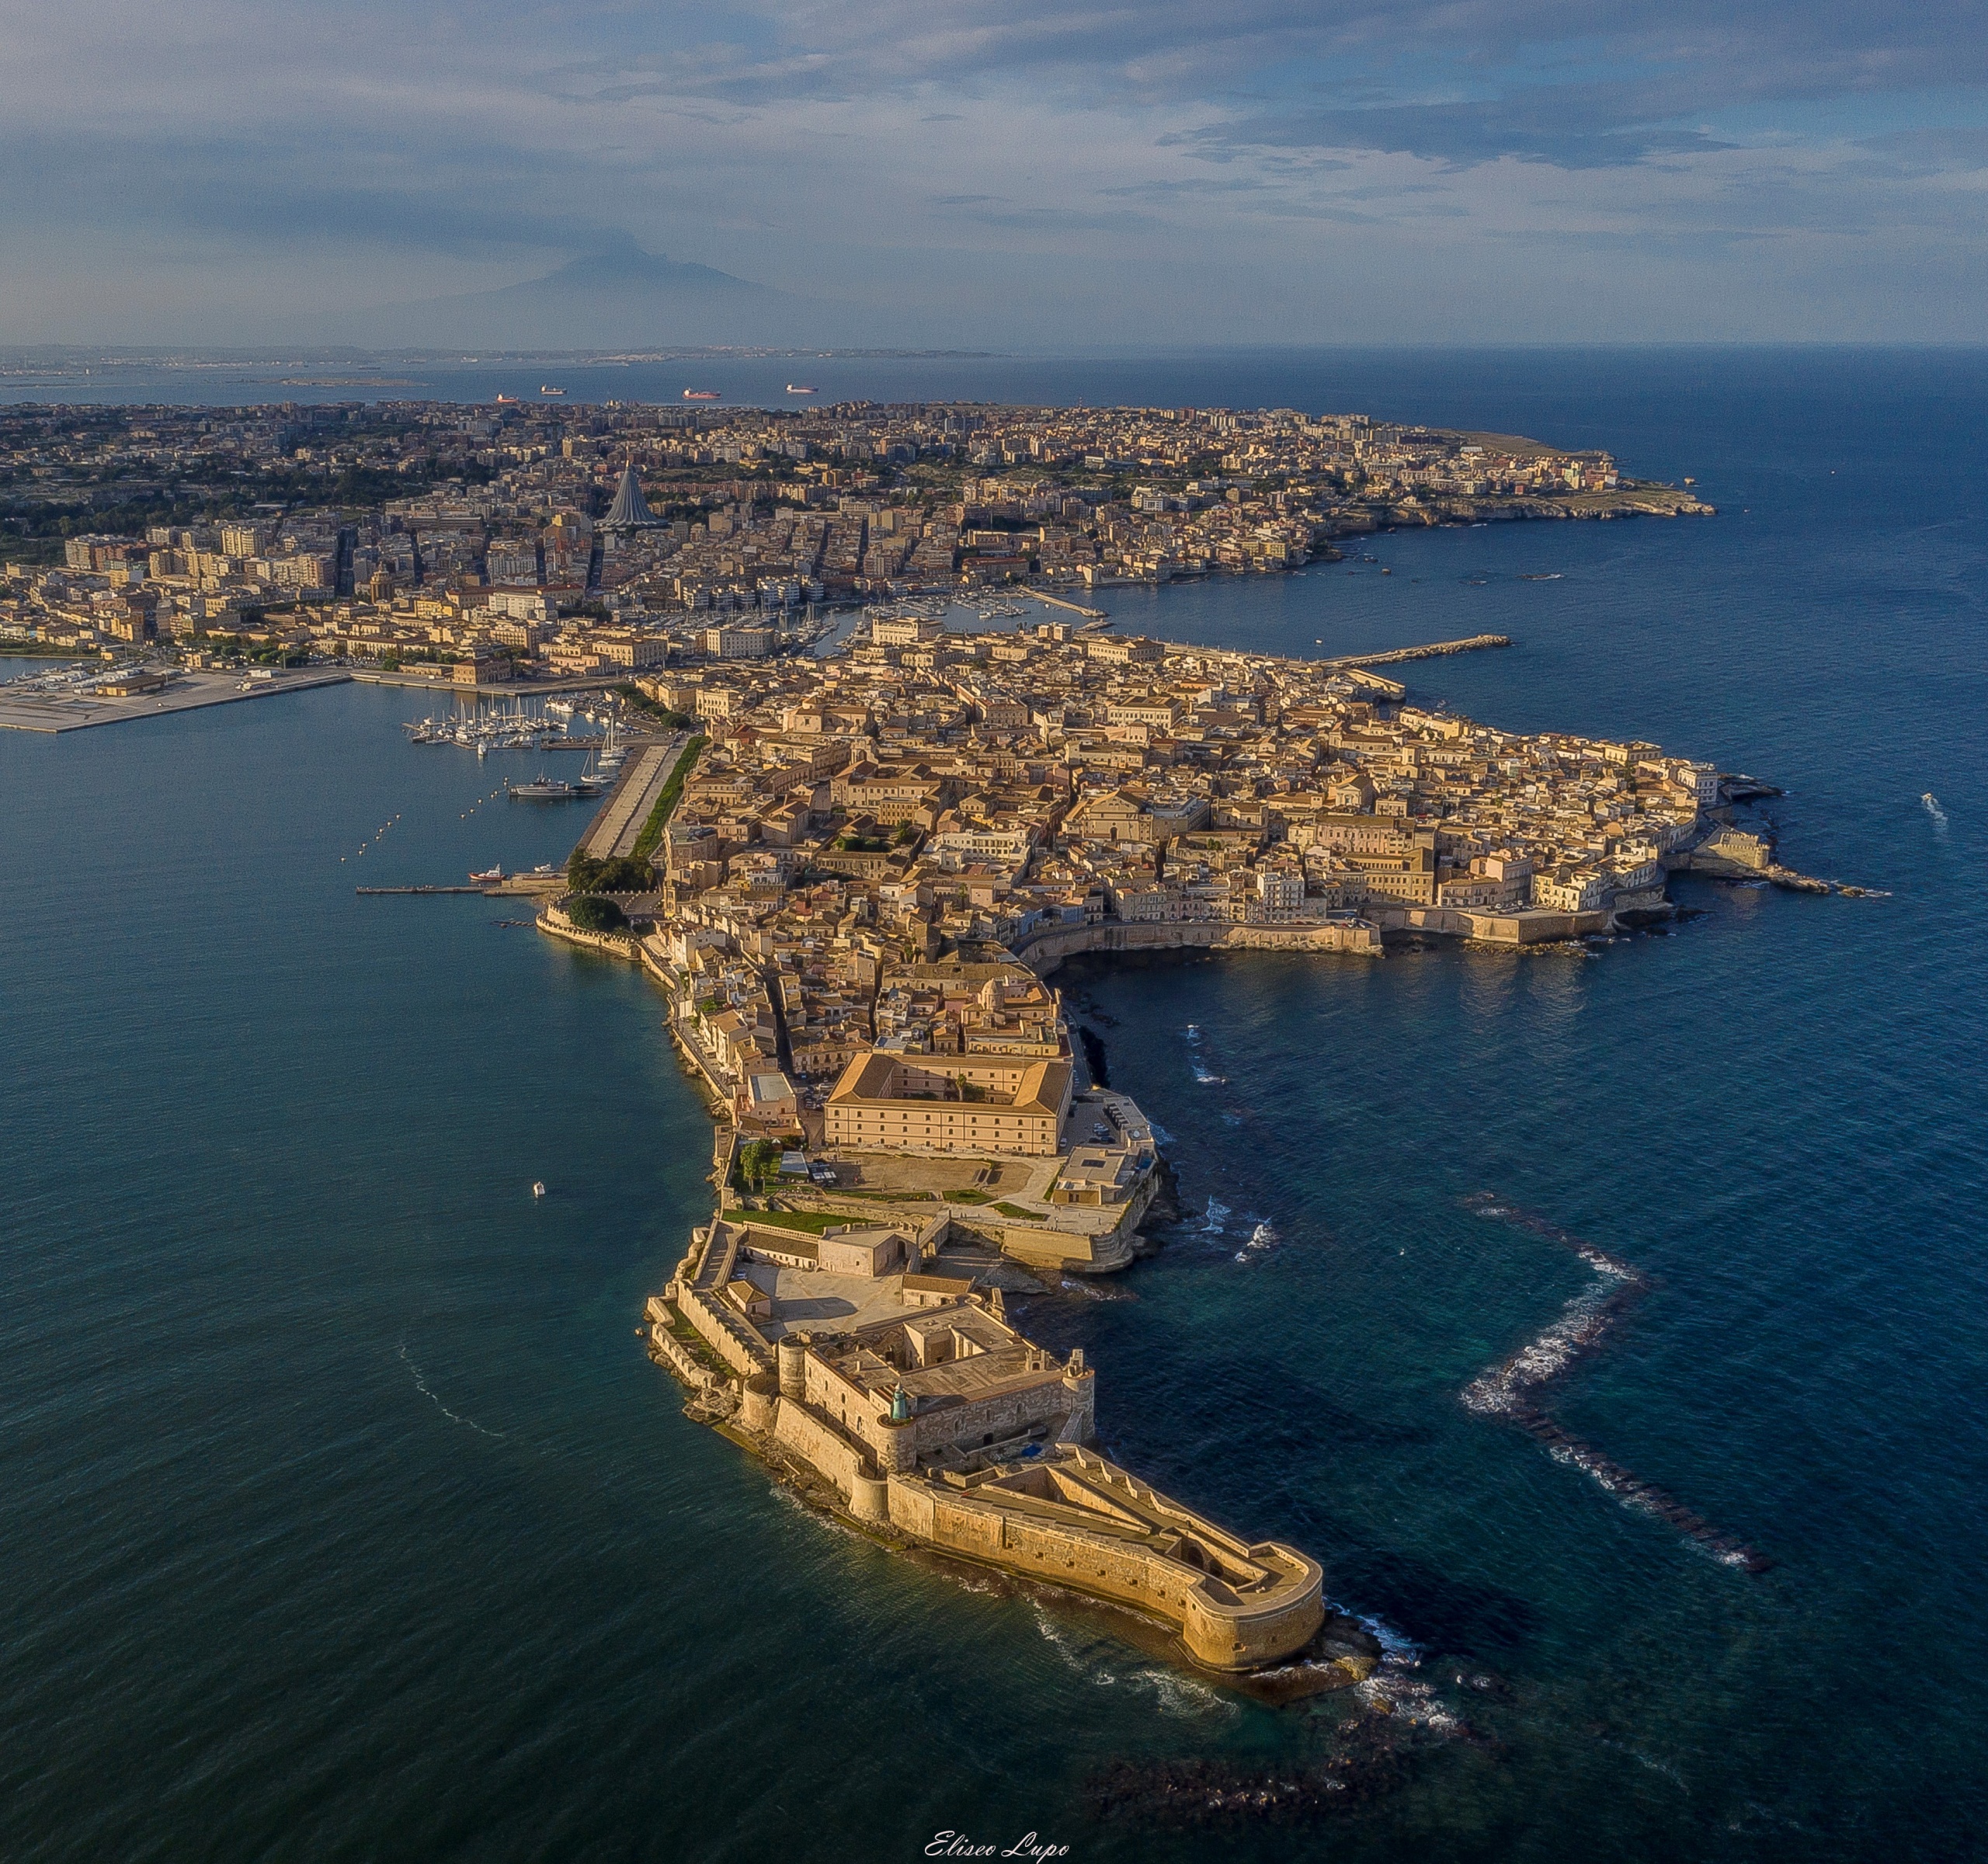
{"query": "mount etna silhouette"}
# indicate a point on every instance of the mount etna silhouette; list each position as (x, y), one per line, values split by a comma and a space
(620, 298)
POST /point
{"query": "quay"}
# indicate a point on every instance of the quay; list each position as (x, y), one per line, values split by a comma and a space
(146, 696)
(488, 688)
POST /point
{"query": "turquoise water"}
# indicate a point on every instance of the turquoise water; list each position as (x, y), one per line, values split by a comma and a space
(344, 1517)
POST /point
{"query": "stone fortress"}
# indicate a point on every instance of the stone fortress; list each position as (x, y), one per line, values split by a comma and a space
(905, 1387)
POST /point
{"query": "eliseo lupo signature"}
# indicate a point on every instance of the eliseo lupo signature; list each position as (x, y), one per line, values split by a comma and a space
(958, 1844)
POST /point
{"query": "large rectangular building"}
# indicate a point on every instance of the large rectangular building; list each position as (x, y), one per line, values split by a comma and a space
(967, 1102)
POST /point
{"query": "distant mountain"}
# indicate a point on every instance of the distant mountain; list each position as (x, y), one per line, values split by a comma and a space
(622, 298)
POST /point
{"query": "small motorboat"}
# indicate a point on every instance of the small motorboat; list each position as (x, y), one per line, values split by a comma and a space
(538, 1188)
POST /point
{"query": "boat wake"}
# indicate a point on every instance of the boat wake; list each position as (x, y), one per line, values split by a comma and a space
(1507, 1389)
(421, 1386)
(1931, 805)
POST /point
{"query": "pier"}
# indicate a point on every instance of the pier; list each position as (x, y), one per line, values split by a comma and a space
(1432, 651)
(1076, 608)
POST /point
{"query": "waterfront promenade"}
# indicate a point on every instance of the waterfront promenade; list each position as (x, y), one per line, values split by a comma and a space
(618, 826)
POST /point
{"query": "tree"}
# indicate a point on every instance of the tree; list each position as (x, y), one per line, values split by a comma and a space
(591, 912)
(618, 874)
(758, 1162)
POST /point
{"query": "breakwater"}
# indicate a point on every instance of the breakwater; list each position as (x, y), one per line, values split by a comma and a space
(1507, 1389)
(1433, 650)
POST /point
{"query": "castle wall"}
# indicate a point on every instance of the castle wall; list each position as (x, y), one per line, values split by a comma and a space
(722, 1338)
(1042, 955)
(1225, 1637)
(1240, 1640)
(1217, 1629)
(820, 1444)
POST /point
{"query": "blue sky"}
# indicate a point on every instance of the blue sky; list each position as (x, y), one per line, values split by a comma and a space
(1034, 174)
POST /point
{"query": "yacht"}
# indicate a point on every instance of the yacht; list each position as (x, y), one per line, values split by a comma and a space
(542, 789)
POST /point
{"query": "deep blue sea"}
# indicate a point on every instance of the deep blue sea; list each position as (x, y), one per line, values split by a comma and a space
(343, 1517)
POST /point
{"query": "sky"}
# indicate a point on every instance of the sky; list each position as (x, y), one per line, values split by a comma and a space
(1043, 173)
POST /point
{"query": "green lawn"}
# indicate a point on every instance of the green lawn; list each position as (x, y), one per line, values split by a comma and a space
(813, 1223)
(652, 835)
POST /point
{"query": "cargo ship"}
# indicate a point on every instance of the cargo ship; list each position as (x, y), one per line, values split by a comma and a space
(702, 395)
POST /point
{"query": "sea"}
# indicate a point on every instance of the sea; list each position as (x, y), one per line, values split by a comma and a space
(344, 1517)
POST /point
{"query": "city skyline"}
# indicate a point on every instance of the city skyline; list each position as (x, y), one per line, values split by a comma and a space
(1505, 172)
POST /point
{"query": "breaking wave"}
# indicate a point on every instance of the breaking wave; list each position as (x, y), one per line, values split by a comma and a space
(1582, 1324)
(1262, 1239)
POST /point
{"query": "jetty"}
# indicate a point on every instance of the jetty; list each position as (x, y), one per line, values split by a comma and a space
(1076, 608)
(1431, 651)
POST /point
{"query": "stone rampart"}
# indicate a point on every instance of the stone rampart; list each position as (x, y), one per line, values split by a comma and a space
(554, 923)
(1220, 1627)
(1043, 954)
(1535, 925)
(728, 1335)
(680, 1359)
(821, 1445)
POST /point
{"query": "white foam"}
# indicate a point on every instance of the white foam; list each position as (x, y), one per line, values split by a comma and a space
(1091, 1671)
(1582, 1322)
(1262, 1239)
(421, 1386)
(1182, 1697)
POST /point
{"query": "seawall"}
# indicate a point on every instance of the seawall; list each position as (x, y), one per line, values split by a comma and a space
(1043, 953)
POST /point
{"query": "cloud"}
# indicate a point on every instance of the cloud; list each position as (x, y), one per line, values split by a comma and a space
(1562, 126)
(1207, 165)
